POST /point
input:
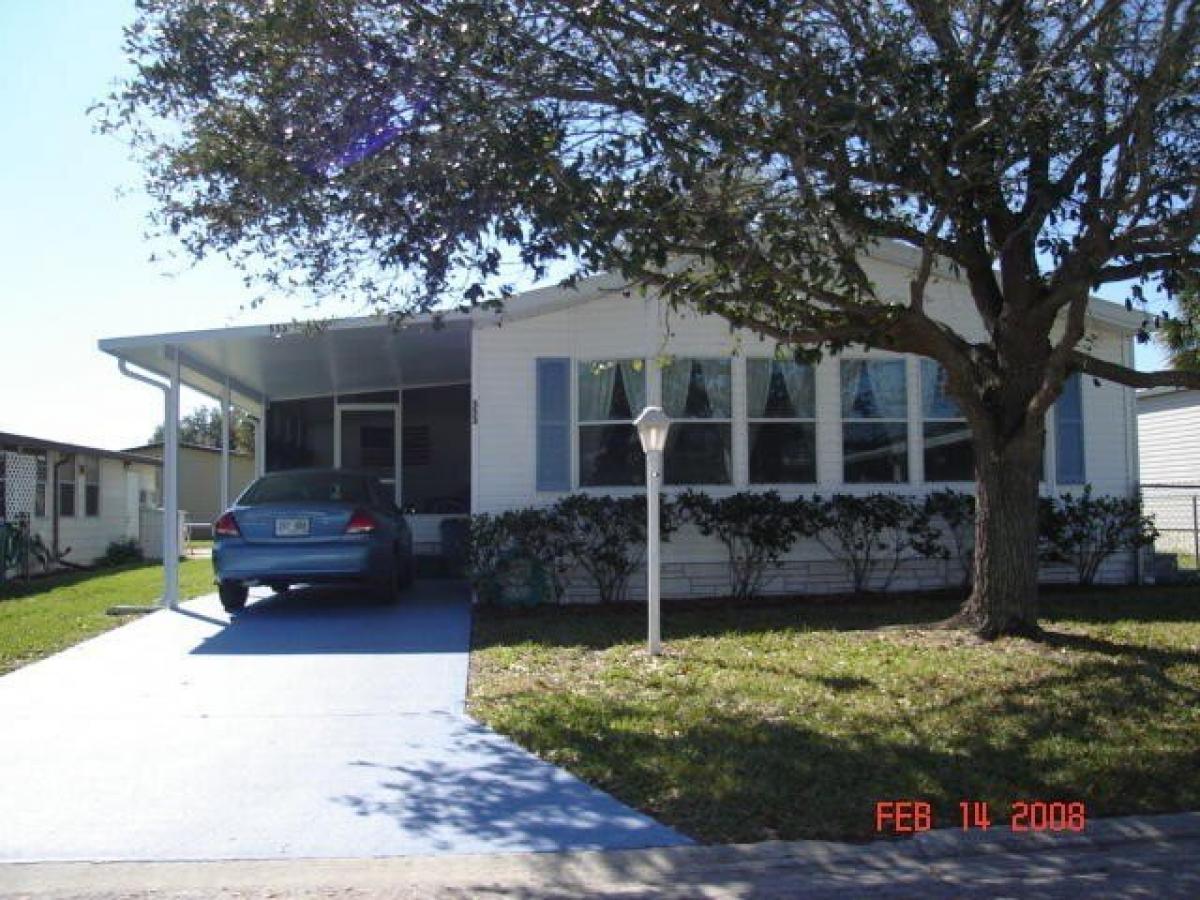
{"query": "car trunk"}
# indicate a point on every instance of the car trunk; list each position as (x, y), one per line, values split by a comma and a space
(262, 524)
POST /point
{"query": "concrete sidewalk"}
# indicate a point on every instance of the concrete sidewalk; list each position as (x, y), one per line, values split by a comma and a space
(1155, 856)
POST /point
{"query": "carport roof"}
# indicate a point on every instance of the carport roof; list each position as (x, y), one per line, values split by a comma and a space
(344, 356)
(277, 362)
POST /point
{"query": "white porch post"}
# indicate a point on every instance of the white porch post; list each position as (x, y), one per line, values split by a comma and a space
(226, 424)
(170, 544)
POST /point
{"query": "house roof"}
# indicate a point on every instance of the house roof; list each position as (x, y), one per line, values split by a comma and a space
(1165, 390)
(157, 446)
(367, 354)
(8, 440)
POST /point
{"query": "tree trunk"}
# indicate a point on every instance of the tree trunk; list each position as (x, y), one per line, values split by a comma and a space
(1004, 596)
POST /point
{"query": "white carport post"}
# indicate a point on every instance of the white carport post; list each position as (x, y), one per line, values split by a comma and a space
(170, 596)
(170, 478)
(226, 424)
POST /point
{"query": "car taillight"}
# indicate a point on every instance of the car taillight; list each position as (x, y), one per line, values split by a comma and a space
(362, 522)
(226, 526)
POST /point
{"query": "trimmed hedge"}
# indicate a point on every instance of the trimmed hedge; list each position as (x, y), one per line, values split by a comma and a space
(603, 538)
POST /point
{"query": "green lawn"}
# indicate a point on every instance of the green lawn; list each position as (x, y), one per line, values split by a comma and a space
(43, 616)
(792, 720)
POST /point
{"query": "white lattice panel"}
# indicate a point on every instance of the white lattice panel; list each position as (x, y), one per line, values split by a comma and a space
(20, 482)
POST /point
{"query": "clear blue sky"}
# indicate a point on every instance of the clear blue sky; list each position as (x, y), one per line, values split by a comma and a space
(74, 266)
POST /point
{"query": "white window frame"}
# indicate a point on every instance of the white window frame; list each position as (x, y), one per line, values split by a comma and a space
(923, 419)
(905, 360)
(738, 461)
(394, 409)
(577, 422)
(755, 420)
(86, 462)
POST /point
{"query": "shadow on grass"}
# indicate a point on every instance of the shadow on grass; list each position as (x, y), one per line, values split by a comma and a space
(41, 584)
(598, 627)
(1100, 733)
(1107, 721)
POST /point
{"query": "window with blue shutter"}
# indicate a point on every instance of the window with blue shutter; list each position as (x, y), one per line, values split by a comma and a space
(553, 424)
(1068, 432)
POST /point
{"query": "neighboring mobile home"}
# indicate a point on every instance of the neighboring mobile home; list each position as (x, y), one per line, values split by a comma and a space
(488, 411)
(200, 480)
(78, 499)
(1169, 442)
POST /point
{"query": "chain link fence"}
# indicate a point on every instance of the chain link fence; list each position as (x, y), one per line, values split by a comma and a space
(1176, 512)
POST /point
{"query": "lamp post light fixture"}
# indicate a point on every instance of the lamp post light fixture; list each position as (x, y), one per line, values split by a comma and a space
(652, 426)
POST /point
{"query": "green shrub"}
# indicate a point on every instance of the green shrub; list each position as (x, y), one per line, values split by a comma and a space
(956, 513)
(876, 530)
(488, 545)
(1084, 531)
(120, 552)
(757, 529)
(538, 534)
(603, 537)
(606, 538)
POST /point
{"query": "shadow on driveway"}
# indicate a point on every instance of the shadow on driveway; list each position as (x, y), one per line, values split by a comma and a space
(486, 787)
(431, 617)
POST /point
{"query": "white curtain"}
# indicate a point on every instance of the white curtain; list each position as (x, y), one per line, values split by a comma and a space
(715, 373)
(758, 385)
(676, 376)
(596, 380)
(801, 389)
(633, 374)
(797, 380)
(873, 389)
(936, 402)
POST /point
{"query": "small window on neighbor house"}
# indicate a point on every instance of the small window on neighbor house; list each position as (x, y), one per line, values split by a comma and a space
(696, 396)
(91, 486)
(781, 414)
(611, 395)
(874, 421)
(949, 453)
(66, 490)
(39, 488)
(1068, 433)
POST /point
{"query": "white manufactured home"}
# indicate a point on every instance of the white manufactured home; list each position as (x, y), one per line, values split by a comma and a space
(1169, 458)
(487, 411)
(77, 499)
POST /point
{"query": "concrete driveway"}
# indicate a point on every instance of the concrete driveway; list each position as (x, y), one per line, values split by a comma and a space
(316, 725)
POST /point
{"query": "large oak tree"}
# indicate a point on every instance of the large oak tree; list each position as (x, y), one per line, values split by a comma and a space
(737, 156)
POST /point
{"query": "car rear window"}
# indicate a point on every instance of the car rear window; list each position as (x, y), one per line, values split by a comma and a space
(307, 487)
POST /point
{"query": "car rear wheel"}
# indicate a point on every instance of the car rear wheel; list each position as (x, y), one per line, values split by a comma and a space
(233, 596)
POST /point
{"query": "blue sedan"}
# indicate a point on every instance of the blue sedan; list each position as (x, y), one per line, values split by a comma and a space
(312, 526)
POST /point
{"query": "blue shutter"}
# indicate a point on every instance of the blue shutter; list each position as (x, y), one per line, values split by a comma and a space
(1068, 432)
(553, 424)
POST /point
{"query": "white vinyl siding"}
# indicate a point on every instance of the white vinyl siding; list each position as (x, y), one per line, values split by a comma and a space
(610, 326)
(1169, 437)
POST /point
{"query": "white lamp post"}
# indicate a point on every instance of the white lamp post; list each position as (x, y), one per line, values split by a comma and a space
(652, 426)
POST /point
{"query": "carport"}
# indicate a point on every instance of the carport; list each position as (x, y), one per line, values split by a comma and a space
(362, 366)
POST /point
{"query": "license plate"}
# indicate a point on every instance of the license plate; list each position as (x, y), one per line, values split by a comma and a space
(291, 527)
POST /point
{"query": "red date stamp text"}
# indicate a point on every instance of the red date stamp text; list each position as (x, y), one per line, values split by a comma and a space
(915, 816)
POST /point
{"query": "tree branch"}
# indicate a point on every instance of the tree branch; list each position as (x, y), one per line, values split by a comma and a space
(1109, 371)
